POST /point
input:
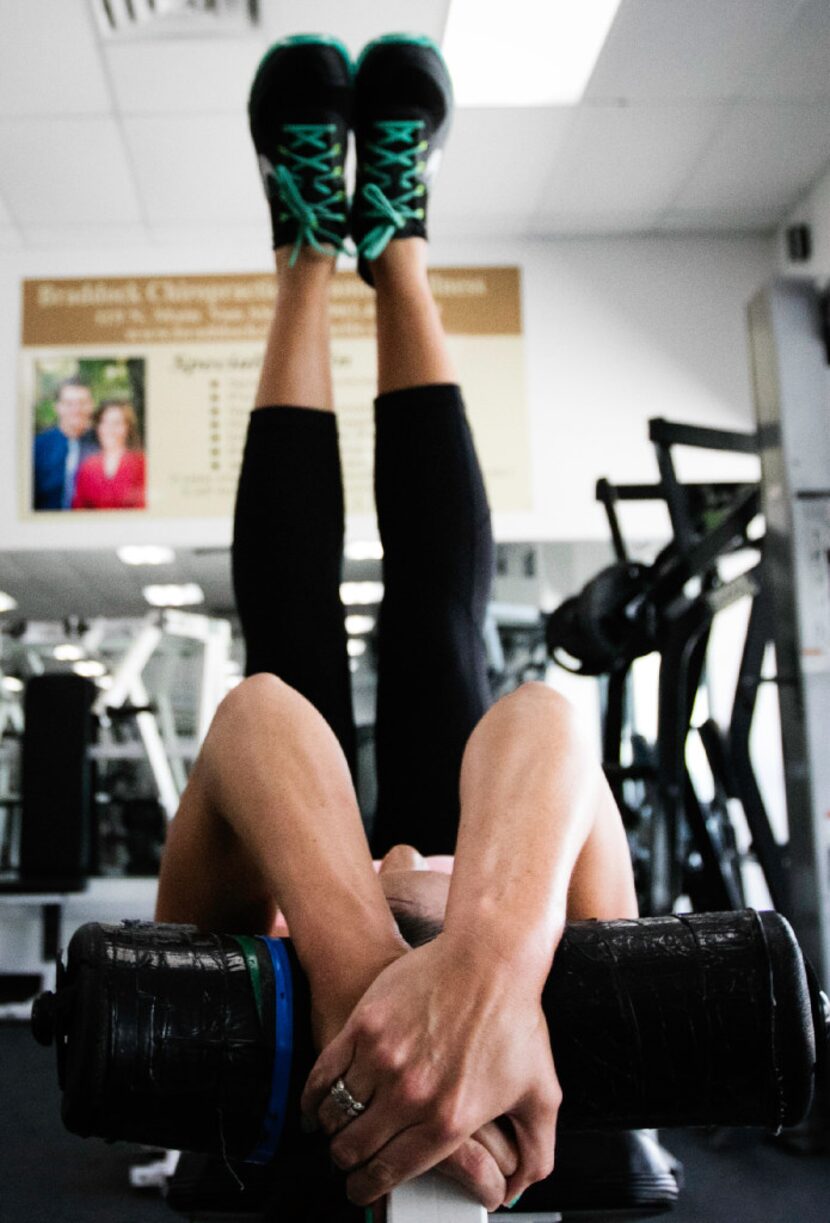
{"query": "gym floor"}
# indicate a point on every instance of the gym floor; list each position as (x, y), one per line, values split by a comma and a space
(50, 1176)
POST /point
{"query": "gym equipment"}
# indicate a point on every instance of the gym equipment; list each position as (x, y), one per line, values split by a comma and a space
(56, 841)
(680, 843)
(789, 333)
(174, 1038)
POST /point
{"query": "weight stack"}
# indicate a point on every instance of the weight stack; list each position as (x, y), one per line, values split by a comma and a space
(56, 840)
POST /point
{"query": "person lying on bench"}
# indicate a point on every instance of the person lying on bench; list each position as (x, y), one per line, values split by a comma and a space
(425, 985)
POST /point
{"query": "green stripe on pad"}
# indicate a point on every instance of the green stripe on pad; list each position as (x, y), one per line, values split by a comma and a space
(248, 946)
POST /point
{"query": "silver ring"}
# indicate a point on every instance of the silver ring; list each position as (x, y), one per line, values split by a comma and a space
(344, 1098)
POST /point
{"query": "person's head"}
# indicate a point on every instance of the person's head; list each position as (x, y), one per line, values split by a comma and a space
(74, 406)
(116, 425)
(416, 895)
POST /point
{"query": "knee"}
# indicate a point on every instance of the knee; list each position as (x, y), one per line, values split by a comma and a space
(255, 699)
(536, 696)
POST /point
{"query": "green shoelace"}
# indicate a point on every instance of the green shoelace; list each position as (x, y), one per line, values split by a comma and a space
(381, 156)
(311, 148)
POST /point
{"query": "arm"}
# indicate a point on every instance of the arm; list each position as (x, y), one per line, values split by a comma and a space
(269, 816)
(453, 1035)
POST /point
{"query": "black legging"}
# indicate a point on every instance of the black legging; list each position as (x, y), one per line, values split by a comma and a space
(437, 569)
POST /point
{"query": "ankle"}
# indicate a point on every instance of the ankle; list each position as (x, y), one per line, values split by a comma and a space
(311, 269)
(403, 262)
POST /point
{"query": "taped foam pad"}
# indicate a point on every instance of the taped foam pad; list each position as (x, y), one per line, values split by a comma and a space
(174, 1038)
(681, 1020)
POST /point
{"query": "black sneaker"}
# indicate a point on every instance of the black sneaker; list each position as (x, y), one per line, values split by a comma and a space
(402, 112)
(300, 112)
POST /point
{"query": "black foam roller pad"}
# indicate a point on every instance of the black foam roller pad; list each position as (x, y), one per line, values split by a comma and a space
(700, 1019)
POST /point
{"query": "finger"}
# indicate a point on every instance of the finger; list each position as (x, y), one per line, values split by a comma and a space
(411, 1152)
(473, 1167)
(333, 1114)
(332, 1064)
(535, 1127)
(497, 1138)
(399, 1100)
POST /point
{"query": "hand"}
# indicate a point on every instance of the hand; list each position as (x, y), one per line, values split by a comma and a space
(441, 1043)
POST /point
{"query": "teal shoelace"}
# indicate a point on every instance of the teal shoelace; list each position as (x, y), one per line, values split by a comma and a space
(398, 145)
(311, 148)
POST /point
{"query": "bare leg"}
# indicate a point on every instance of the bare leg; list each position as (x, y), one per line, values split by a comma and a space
(297, 365)
(412, 347)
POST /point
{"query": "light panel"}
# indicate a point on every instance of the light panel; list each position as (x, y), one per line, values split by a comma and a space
(146, 554)
(526, 53)
(186, 595)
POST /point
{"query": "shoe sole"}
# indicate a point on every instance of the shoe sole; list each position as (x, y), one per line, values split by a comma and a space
(295, 40)
(408, 40)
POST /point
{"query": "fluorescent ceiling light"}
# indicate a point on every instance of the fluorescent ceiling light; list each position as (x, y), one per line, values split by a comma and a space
(526, 52)
(174, 596)
(67, 652)
(356, 647)
(104, 682)
(7, 603)
(90, 668)
(364, 550)
(146, 554)
(361, 593)
(12, 684)
(357, 624)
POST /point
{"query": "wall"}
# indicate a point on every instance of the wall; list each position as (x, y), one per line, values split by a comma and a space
(617, 330)
(812, 210)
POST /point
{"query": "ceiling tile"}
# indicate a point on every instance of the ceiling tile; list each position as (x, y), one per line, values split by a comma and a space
(557, 222)
(353, 21)
(185, 76)
(89, 236)
(65, 172)
(718, 220)
(10, 239)
(199, 168)
(659, 50)
(497, 161)
(764, 157)
(799, 65)
(626, 159)
(240, 236)
(49, 60)
(5, 217)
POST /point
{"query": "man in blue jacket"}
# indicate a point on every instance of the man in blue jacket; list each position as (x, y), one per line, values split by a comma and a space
(60, 450)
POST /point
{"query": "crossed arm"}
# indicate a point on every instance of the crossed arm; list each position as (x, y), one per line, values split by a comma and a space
(442, 1040)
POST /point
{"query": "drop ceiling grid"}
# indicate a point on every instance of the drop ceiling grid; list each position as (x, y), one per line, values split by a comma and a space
(195, 167)
(687, 50)
(621, 166)
(161, 126)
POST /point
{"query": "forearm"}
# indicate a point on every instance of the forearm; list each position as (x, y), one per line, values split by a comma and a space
(528, 803)
(281, 782)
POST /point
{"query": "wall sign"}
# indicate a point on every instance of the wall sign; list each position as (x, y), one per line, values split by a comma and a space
(135, 391)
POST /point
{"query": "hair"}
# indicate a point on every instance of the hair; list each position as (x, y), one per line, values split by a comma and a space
(415, 927)
(73, 381)
(133, 439)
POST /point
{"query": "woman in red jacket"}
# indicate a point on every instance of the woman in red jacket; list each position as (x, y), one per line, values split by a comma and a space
(113, 479)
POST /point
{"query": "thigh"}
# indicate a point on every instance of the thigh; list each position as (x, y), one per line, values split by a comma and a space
(438, 560)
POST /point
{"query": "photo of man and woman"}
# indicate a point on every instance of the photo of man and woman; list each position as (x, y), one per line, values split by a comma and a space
(88, 434)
